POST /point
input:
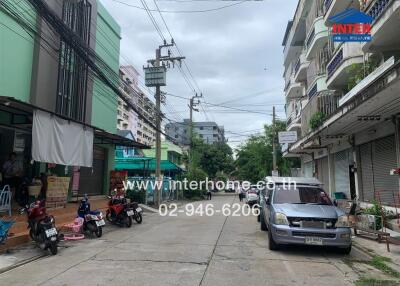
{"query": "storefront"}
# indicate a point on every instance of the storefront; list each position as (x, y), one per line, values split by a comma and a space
(377, 158)
(70, 158)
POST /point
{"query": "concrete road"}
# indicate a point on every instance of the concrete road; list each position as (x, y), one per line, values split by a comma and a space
(184, 250)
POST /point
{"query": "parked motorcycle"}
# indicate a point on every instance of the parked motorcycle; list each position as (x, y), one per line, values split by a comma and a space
(93, 221)
(121, 212)
(42, 227)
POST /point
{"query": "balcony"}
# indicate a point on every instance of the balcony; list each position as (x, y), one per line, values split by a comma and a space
(317, 37)
(333, 7)
(294, 89)
(317, 86)
(325, 103)
(294, 116)
(340, 66)
(386, 24)
(300, 69)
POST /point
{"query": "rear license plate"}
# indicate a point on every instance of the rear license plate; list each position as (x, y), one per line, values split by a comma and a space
(313, 240)
(139, 210)
(100, 222)
(51, 232)
(130, 213)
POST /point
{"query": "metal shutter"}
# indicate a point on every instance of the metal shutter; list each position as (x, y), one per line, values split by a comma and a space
(92, 179)
(366, 171)
(342, 180)
(384, 159)
(308, 169)
(323, 172)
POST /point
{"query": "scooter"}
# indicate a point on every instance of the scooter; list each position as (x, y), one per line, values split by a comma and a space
(119, 211)
(93, 221)
(41, 226)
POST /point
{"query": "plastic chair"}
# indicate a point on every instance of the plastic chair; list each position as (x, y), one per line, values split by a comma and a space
(5, 200)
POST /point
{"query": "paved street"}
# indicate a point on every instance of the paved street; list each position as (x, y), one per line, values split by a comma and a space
(185, 251)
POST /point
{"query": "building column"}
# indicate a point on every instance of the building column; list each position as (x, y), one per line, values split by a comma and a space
(331, 168)
(356, 166)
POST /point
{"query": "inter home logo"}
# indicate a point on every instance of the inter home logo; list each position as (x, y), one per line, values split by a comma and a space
(351, 26)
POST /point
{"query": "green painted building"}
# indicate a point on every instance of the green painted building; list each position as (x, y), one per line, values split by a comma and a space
(34, 75)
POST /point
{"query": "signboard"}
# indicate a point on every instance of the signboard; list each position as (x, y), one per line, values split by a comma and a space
(57, 191)
(351, 25)
(287, 137)
(155, 76)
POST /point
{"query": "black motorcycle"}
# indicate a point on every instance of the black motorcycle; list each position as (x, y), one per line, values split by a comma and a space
(42, 228)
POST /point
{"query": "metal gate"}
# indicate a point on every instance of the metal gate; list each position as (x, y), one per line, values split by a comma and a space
(323, 172)
(377, 159)
(92, 179)
(308, 169)
(342, 180)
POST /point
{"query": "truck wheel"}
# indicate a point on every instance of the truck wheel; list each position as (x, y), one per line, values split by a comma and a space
(345, 250)
(262, 223)
(272, 245)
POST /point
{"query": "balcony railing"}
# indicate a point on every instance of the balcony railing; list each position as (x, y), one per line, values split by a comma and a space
(325, 103)
(313, 91)
(377, 7)
(335, 63)
(297, 66)
(310, 37)
(327, 5)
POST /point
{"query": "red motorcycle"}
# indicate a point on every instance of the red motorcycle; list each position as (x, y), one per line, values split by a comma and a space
(119, 211)
(42, 227)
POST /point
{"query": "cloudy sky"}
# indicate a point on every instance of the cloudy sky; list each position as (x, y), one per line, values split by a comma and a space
(234, 54)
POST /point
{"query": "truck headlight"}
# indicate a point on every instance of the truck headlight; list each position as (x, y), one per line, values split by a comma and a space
(343, 221)
(280, 219)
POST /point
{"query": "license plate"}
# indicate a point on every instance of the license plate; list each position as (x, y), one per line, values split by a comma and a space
(313, 240)
(130, 213)
(139, 210)
(51, 232)
(100, 222)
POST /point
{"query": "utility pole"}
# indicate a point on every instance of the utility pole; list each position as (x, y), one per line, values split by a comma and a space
(274, 168)
(157, 78)
(192, 108)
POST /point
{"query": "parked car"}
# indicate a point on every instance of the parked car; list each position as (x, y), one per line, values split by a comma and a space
(302, 214)
(252, 196)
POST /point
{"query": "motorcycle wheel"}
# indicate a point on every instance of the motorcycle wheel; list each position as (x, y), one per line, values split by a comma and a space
(99, 231)
(108, 216)
(31, 234)
(128, 221)
(53, 248)
(139, 218)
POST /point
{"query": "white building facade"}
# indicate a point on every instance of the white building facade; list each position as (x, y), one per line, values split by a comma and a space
(343, 99)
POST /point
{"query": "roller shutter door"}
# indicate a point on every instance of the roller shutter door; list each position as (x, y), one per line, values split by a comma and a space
(308, 169)
(342, 180)
(323, 172)
(384, 159)
(366, 170)
(92, 179)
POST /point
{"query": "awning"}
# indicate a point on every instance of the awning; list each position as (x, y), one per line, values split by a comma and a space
(21, 118)
(144, 163)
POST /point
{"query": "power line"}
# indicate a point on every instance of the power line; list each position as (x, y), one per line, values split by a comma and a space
(182, 11)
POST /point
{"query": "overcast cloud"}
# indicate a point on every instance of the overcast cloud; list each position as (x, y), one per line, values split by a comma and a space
(235, 55)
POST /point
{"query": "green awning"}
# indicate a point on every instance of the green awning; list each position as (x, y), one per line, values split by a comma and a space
(144, 163)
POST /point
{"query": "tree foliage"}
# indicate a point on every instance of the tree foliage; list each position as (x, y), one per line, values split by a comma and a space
(254, 158)
(213, 159)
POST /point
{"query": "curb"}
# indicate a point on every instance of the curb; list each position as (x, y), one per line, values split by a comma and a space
(21, 263)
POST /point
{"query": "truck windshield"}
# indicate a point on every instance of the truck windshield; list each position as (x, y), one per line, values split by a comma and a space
(301, 195)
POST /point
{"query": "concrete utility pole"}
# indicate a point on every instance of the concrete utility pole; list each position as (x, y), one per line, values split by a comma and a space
(274, 168)
(192, 108)
(165, 60)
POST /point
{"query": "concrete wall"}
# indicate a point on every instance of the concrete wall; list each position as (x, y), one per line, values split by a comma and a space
(16, 54)
(105, 104)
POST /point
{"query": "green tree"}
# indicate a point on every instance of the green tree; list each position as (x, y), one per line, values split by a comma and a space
(254, 157)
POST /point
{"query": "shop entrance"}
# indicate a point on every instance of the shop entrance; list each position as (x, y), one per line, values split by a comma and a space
(92, 179)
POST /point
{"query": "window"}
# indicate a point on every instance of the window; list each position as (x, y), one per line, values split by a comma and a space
(300, 195)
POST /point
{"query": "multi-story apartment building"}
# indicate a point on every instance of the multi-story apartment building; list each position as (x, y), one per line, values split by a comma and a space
(53, 107)
(128, 119)
(209, 132)
(343, 98)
